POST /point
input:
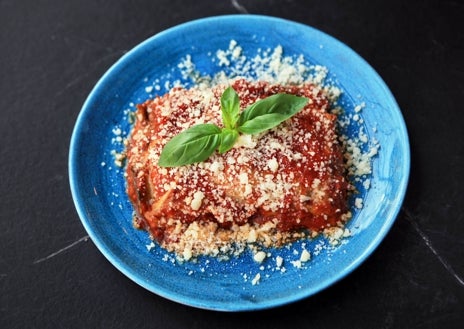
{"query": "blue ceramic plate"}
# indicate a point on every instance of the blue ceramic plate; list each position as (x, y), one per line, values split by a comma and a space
(98, 185)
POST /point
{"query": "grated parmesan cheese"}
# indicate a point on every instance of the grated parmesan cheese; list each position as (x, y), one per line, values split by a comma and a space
(256, 279)
(197, 200)
(273, 66)
(259, 256)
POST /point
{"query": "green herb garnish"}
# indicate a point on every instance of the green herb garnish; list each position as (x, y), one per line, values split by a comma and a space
(198, 142)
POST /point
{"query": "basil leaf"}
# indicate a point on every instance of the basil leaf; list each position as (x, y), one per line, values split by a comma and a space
(284, 104)
(230, 107)
(228, 139)
(195, 144)
(262, 123)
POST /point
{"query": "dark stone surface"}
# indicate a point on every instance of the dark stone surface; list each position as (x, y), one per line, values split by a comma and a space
(51, 276)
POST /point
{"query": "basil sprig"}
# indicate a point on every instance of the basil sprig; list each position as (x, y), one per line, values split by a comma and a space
(198, 142)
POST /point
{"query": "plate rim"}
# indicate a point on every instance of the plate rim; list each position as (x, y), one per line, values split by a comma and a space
(127, 271)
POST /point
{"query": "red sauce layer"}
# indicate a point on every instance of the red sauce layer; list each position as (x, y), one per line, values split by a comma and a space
(293, 175)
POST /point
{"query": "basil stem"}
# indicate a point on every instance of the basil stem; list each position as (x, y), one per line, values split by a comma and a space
(228, 139)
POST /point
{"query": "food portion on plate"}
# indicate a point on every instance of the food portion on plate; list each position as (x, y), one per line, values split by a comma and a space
(243, 161)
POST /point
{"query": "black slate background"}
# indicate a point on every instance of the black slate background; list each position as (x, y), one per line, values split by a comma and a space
(53, 52)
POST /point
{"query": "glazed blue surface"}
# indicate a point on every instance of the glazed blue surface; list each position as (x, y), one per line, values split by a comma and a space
(98, 186)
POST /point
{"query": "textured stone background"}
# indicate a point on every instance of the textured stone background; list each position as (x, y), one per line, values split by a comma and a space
(52, 276)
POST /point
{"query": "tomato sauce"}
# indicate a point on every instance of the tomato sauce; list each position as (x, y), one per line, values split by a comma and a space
(293, 176)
